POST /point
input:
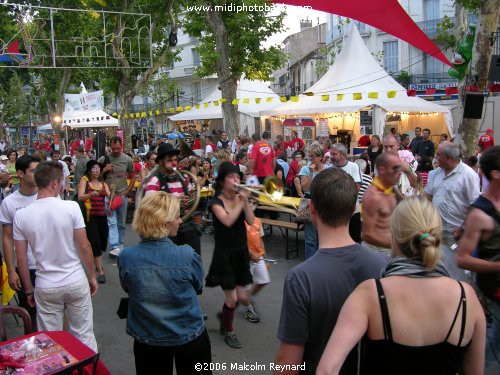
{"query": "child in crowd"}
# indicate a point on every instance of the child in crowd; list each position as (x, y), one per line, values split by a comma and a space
(258, 267)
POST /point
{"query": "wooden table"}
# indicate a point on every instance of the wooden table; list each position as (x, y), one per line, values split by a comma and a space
(62, 354)
(284, 227)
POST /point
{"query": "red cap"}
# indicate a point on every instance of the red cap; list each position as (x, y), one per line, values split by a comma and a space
(488, 131)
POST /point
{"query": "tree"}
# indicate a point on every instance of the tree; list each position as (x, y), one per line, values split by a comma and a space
(231, 45)
(130, 79)
(488, 18)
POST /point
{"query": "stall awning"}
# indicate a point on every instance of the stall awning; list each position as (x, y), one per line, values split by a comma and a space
(300, 121)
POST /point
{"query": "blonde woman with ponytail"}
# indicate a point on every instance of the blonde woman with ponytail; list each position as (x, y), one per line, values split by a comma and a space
(416, 319)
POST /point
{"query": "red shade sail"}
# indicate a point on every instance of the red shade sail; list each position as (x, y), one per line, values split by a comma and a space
(385, 15)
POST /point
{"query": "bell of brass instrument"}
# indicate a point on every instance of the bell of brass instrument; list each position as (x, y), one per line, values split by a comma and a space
(269, 193)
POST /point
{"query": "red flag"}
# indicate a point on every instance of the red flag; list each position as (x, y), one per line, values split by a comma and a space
(430, 91)
(385, 15)
(451, 90)
(411, 92)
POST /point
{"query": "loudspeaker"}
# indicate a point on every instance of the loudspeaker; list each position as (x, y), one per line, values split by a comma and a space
(473, 107)
(100, 144)
(494, 72)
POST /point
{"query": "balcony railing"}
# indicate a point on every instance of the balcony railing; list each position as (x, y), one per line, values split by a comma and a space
(430, 28)
(431, 78)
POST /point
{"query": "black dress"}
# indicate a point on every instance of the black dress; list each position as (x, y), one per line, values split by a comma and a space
(373, 155)
(230, 264)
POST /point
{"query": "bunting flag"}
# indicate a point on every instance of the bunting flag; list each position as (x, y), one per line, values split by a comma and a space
(187, 108)
(158, 112)
(373, 95)
(257, 100)
(179, 109)
(391, 94)
(205, 105)
(132, 115)
(325, 98)
(137, 115)
(143, 114)
(294, 99)
(283, 99)
(197, 106)
(172, 110)
(246, 101)
(340, 97)
(269, 100)
(216, 103)
(115, 114)
(124, 116)
(235, 102)
(357, 96)
(119, 116)
(223, 100)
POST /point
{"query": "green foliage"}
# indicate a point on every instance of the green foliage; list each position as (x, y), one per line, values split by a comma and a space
(472, 5)
(15, 105)
(322, 64)
(403, 78)
(444, 33)
(245, 32)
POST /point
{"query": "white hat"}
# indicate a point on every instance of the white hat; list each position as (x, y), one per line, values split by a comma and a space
(4, 157)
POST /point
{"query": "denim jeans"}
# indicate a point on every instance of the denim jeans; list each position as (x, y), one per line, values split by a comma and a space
(493, 337)
(116, 224)
(310, 239)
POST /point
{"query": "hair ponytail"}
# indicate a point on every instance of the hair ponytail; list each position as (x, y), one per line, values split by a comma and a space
(429, 251)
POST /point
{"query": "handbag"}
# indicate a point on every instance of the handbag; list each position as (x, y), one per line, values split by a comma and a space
(122, 311)
(304, 211)
(116, 202)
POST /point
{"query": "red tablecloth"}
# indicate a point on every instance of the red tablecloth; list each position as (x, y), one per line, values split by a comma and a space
(73, 346)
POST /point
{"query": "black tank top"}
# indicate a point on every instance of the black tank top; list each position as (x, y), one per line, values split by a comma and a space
(388, 357)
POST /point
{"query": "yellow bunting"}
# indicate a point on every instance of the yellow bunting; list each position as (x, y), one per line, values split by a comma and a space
(223, 100)
(157, 112)
(131, 115)
(172, 110)
(282, 99)
(125, 116)
(143, 114)
(246, 100)
(151, 113)
(187, 108)
(137, 115)
(309, 93)
(119, 116)
(391, 94)
(216, 103)
(294, 99)
(115, 114)
(165, 110)
(269, 100)
(373, 95)
(197, 106)
(179, 109)
(205, 105)
(325, 98)
(257, 100)
(340, 97)
(235, 102)
(357, 96)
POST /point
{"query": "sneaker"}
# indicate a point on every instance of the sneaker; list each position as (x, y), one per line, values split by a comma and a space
(232, 340)
(252, 316)
(115, 252)
(222, 328)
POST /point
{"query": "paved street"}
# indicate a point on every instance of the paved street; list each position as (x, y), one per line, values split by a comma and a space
(259, 340)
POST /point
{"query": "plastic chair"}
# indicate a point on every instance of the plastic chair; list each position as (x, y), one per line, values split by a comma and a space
(14, 310)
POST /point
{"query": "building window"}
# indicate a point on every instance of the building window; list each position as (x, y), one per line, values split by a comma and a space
(196, 57)
(391, 63)
(432, 66)
(196, 91)
(431, 10)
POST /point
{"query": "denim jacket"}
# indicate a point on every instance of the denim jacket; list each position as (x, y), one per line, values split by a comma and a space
(162, 281)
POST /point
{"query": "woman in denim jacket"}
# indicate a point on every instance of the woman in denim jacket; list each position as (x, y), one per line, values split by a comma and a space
(162, 281)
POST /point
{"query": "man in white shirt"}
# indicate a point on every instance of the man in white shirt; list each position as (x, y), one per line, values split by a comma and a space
(338, 155)
(27, 193)
(56, 155)
(452, 188)
(52, 227)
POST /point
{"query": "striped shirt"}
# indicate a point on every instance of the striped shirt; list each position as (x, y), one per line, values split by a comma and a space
(175, 188)
(366, 181)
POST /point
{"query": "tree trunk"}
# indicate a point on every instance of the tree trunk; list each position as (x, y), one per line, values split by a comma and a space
(227, 83)
(482, 51)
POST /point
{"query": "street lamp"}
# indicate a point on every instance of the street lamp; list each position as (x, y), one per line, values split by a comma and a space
(26, 89)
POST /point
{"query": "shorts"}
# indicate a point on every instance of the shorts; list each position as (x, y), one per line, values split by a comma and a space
(260, 273)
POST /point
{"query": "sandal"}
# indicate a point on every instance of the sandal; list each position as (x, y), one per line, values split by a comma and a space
(101, 279)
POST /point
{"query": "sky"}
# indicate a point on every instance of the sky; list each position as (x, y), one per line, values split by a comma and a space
(292, 21)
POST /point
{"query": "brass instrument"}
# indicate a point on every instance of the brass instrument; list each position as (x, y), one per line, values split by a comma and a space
(193, 193)
(271, 193)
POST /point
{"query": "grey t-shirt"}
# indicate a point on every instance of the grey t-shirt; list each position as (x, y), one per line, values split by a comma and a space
(121, 166)
(314, 293)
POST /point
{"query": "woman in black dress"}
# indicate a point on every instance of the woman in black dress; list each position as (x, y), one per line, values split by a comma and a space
(374, 150)
(230, 266)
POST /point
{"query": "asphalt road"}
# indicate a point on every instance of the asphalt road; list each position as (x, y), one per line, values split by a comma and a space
(259, 339)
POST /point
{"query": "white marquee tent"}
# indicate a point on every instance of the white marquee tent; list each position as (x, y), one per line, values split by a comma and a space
(256, 91)
(356, 71)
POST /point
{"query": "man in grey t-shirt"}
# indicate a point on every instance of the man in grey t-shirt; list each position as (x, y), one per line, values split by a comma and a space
(316, 289)
(115, 174)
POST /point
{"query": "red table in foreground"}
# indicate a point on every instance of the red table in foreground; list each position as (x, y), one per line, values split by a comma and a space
(69, 354)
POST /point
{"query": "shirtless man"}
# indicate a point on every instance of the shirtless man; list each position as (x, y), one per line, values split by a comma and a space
(408, 178)
(378, 203)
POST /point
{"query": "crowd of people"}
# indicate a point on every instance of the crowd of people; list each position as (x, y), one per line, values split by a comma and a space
(400, 242)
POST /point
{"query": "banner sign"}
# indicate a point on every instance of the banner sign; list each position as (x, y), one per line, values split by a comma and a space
(92, 101)
(434, 85)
